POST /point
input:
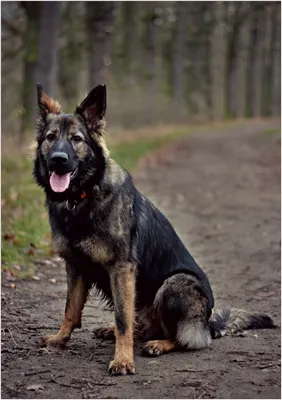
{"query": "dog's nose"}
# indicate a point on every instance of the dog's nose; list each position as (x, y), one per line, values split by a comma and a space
(59, 157)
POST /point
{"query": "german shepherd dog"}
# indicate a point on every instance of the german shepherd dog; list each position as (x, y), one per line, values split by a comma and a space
(112, 237)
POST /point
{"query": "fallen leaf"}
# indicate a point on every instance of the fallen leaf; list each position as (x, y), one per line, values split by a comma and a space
(36, 278)
(10, 276)
(53, 280)
(10, 238)
(31, 252)
(35, 386)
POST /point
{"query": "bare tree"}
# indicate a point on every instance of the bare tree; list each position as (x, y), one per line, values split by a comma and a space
(99, 24)
(256, 66)
(32, 10)
(48, 45)
(218, 61)
(275, 100)
(150, 46)
(243, 45)
(179, 53)
(72, 51)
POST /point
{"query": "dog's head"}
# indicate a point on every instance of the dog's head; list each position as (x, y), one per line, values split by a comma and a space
(70, 148)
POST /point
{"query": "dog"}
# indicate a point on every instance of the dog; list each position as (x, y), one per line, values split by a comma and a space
(113, 238)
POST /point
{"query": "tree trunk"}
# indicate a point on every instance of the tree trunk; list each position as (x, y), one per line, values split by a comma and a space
(30, 64)
(179, 54)
(48, 45)
(276, 61)
(72, 51)
(256, 72)
(99, 22)
(150, 46)
(234, 12)
(240, 103)
(218, 62)
(268, 44)
(149, 70)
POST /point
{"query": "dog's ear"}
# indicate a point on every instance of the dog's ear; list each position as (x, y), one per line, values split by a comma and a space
(93, 107)
(46, 105)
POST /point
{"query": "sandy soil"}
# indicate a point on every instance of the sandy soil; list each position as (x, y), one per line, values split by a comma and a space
(221, 190)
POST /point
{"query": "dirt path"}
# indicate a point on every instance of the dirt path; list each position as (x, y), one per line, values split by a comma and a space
(222, 193)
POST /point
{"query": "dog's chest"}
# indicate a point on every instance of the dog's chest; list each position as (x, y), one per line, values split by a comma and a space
(93, 248)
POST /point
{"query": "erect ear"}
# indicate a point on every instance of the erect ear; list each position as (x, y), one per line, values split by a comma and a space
(93, 107)
(46, 104)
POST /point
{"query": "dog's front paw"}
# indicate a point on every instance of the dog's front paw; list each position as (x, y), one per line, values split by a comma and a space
(54, 340)
(121, 368)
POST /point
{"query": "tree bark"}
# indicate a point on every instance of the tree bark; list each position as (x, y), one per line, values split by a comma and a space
(240, 106)
(48, 45)
(150, 46)
(99, 21)
(179, 54)
(32, 10)
(256, 71)
(218, 62)
(276, 60)
(72, 51)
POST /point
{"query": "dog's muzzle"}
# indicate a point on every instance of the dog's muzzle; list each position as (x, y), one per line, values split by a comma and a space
(62, 158)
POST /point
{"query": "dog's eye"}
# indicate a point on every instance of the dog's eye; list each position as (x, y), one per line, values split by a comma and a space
(77, 138)
(51, 137)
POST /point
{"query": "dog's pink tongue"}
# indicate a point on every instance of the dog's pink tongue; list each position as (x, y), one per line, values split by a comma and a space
(59, 183)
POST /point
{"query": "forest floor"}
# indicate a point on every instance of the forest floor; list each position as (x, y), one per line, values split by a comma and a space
(221, 191)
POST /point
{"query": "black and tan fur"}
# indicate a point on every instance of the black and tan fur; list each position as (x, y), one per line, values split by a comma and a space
(115, 239)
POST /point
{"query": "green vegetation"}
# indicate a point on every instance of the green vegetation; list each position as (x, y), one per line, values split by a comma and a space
(25, 229)
(273, 131)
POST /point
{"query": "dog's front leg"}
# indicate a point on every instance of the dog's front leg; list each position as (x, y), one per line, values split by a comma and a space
(76, 298)
(122, 279)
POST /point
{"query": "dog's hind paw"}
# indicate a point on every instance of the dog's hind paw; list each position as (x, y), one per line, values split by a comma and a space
(107, 333)
(121, 368)
(155, 348)
(54, 340)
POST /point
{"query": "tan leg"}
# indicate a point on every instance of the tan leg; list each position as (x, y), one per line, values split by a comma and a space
(159, 347)
(76, 298)
(123, 289)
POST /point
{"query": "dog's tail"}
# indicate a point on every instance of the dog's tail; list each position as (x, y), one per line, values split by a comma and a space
(231, 320)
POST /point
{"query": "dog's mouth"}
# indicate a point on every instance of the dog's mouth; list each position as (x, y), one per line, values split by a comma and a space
(60, 183)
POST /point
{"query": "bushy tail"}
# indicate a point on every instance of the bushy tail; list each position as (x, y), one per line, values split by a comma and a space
(232, 320)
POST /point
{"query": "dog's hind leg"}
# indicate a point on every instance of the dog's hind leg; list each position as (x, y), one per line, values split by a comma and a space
(105, 333)
(183, 311)
(76, 298)
(158, 347)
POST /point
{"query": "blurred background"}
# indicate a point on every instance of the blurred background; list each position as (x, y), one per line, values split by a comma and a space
(163, 62)
(168, 66)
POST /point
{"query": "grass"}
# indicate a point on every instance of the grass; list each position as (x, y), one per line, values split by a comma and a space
(25, 226)
(273, 131)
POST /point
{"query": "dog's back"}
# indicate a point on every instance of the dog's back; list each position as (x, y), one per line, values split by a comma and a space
(159, 252)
